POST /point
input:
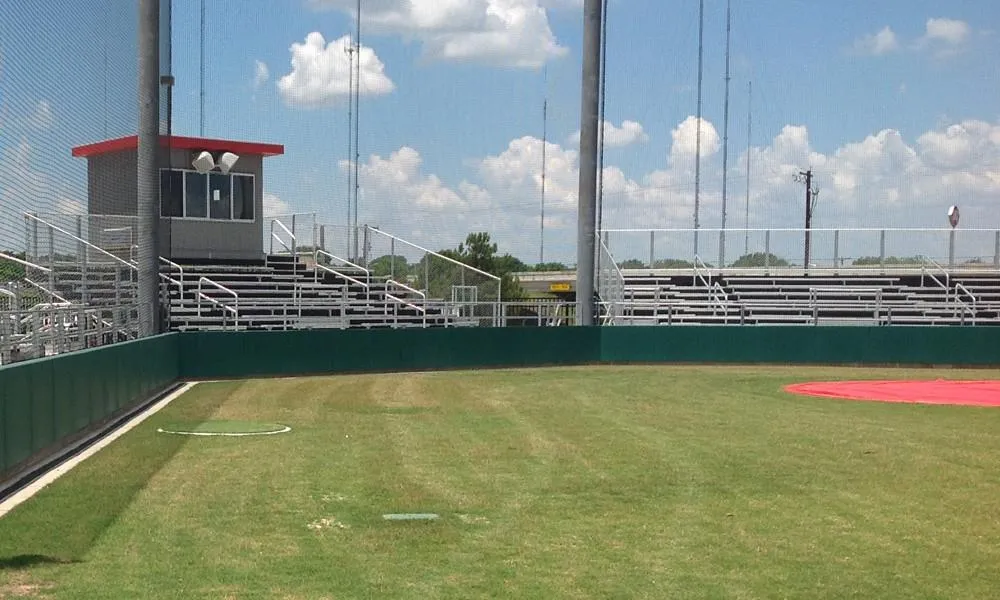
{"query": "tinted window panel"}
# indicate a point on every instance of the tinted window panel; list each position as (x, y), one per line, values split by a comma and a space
(172, 193)
(220, 200)
(243, 197)
(196, 201)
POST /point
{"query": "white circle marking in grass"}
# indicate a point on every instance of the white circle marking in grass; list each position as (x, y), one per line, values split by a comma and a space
(285, 429)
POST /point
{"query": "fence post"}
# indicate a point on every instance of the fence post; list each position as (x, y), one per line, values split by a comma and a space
(836, 248)
(767, 251)
(951, 247)
(52, 261)
(996, 251)
(651, 255)
(83, 260)
(881, 251)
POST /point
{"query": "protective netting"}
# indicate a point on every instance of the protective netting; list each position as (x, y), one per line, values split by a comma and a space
(68, 80)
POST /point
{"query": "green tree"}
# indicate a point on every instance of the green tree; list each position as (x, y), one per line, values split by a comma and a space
(478, 252)
(10, 270)
(388, 265)
(673, 263)
(758, 260)
(868, 261)
(632, 263)
(550, 266)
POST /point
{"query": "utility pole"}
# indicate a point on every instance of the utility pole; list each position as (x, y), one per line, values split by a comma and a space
(725, 143)
(545, 139)
(350, 142)
(601, 120)
(147, 173)
(697, 152)
(746, 216)
(201, 115)
(587, 206)
(357, 126)
(811, 195)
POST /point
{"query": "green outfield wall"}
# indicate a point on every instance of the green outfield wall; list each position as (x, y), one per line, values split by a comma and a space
(48, 404)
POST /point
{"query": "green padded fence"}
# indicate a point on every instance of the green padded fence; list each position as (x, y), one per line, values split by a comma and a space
(45, 404)
(245, 354)
(959, 346)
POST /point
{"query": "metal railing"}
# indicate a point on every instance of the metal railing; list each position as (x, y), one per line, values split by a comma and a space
(320, 266)
(433, 273)
(180, 270)
(838, 249)
(390, 283)
(962, 292)
(234, 310)
(610, 284)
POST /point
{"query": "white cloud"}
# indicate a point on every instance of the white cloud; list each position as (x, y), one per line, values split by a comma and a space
(510, 33)
(882, 180)
(43, 117)
(685, 140)
(949, 31)
(261, 74)
(275, 206)
(321, 73)
(629, 133)
(883, 42)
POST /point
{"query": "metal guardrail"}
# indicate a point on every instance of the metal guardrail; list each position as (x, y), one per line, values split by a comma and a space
(235, 310)
(423, 297)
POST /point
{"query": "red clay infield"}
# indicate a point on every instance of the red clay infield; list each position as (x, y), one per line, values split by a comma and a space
(965, 393)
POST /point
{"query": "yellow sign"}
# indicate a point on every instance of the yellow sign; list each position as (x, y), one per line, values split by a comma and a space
(560, 287)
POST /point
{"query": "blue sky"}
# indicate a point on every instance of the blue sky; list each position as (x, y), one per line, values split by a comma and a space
(891, 102)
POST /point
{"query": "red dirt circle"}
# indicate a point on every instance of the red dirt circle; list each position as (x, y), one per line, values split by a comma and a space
(940, 391)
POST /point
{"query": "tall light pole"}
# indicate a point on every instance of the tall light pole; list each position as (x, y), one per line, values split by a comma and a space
(697, 152)
(357, 126)
(541, 220)
(589, 117)
(746, 216)
(350, 142)
(725, 143)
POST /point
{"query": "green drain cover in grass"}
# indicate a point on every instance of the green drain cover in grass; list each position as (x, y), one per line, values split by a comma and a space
(225, 428)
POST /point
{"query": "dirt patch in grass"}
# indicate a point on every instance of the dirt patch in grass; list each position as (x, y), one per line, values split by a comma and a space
(20, 585)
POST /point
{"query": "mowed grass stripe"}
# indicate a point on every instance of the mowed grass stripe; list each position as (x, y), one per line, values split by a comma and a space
(581, 482)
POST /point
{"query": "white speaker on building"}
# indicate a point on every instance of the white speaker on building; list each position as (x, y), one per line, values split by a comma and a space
(227, 161)
(203, 163)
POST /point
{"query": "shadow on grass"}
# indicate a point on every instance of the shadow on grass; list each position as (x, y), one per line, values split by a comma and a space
(62, 522)
(26, 561)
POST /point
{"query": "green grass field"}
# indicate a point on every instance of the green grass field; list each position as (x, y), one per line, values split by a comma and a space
(595, 482)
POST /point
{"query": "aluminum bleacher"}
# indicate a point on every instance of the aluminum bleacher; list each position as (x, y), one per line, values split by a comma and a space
(905, 298)
(281, 292)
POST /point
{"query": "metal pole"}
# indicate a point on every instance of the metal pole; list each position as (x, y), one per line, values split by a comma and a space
(357, 125)
(587, 209)
(725, 143)
(201, 114)
(697, 153)
(541, 220)
(147, 176)
(951, 247)
(746, 215)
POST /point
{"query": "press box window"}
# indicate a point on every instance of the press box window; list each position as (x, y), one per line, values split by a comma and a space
(191, 195)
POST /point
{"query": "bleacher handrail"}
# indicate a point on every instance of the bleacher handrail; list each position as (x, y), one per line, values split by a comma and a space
(24, 263)
(275, 236)
(433, 253)
(202, 296)
(80, 240)
(179, 268)
(699, 266)
(925, 264)
(961, 289)
(318, 252)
